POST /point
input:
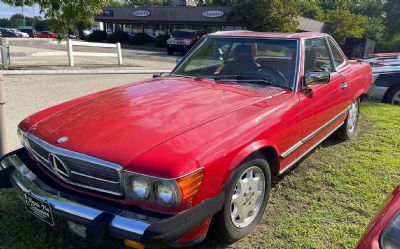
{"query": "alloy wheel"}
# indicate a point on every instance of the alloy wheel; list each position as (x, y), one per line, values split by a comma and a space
(396, 99)
(353, 117)
(247, 197)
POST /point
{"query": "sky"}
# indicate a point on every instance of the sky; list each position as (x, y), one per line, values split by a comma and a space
(7, 11)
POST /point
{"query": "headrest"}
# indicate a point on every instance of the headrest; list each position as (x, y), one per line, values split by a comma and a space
(243, 53)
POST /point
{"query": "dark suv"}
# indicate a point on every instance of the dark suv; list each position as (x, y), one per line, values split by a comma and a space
(31, 32)
(183, 40)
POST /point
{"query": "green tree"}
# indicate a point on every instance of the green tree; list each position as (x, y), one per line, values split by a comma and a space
(147, 2)
(333, 4)
(392, 21)
(17, 20)
(5, 23)
(224, 2)
(370, 8)
(65, 15)
(342, 24)
(374, 29)
(42, 24)
(309, 8)
(266, 15)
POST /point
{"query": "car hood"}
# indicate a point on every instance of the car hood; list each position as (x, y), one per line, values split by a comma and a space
(123, 123)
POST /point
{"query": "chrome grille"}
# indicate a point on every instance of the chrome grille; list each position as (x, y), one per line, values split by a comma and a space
(84, 171)
(40, 151)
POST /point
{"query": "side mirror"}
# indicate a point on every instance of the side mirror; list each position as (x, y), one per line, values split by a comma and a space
(317, 78)
(178, 60)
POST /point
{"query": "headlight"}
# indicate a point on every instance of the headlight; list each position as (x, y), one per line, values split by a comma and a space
(166, 193)
(140, 188)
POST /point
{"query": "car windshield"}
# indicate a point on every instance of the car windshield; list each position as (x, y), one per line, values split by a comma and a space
(242, 59)
(183, 34)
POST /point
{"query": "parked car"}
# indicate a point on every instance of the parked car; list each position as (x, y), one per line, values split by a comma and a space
(72, 35)
(153, 163)
(20, 34)
(46, 34)
(386, 70)
(183, 40)
(31, 32)
(87, 32)
(9, 33)
(384, 231)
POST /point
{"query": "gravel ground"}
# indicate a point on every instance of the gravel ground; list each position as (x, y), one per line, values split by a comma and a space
(26, 95)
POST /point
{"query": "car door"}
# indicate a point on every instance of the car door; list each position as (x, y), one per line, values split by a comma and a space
(343, 68)
(323, 106)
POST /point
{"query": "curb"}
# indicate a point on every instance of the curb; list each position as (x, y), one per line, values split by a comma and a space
(82, 72)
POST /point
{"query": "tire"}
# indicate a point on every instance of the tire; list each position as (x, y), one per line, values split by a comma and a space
(349, 128)
(393, 95)
(170, 52)
(227, 223)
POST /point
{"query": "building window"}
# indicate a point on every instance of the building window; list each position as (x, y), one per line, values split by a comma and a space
(149, 29)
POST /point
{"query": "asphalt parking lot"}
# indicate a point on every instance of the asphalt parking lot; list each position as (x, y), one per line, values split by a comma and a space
(26, 95)
(24, 55)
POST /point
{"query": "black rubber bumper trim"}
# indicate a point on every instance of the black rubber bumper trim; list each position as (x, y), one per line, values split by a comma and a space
(5, 174)
(167, 231)
(96, 230)
(5, 177)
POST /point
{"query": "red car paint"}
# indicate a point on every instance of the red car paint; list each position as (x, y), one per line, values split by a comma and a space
(370, 239)
(170, 126)
(46, 34)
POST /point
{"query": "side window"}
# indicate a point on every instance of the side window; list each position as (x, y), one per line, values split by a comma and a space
(337, 56)
(317, 56)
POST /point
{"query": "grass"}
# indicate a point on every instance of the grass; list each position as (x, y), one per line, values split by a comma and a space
(326, 202)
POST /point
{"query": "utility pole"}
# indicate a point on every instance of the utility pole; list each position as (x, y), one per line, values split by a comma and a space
(3, 133)
(23, 16)
(34, 19)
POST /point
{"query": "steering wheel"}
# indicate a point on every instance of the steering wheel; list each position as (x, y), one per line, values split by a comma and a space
(271, 74)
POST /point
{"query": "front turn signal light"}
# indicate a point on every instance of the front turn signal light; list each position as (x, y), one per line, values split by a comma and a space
(189, 185)
(133, 244)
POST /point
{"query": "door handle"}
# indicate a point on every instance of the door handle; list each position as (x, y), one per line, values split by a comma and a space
(343, 86)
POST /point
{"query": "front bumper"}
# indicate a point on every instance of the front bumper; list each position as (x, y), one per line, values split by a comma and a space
(179, 48)
(99, 220)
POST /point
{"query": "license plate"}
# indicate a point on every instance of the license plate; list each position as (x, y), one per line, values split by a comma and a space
(38, 208)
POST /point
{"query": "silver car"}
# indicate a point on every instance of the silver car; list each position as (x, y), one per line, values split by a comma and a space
(386, 71)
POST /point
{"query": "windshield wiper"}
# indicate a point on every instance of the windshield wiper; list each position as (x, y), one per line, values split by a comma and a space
(247, 79)
(228, 77)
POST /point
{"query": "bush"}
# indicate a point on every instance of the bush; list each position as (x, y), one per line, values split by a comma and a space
(161, 40)
(118, 36)
(388, 45)
(97, 35)
(140, 39)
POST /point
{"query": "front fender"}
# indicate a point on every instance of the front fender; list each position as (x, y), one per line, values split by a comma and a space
(249, 150)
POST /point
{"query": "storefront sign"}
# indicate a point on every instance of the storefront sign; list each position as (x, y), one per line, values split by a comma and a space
(108, 13)
(141, 13)
(213, 13)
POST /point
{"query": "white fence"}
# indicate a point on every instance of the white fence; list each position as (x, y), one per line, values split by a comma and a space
(71, 53)
(70, 44)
